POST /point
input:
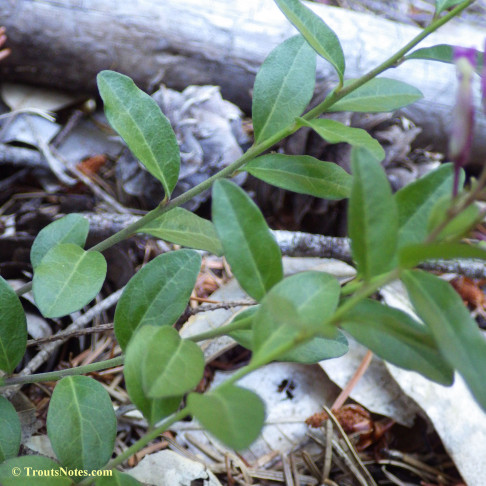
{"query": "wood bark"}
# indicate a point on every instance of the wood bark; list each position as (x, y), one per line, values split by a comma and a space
(65, 43)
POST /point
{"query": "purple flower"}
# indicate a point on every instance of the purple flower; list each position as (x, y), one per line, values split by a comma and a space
(483, 78)
(463, 121)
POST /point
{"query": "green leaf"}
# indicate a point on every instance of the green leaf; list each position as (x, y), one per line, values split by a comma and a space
(411, 256)
(182, 227)
(457, 227)
(67, 279)
(138, 120)
(335, 132)
(457, 335)
(397, 338)
(416, 200)
(299, 304)
(26, 465)
(313, 351)
(377, 95)
(441, 5)
(172, 366)
(318, 349)
(283, 87)
(249, 246)
(316, 33)
(117, 479)
(372, 216)
(13, 328)
(157, 294)
(443, 53)
(153, 409)
(233, 415)
(10, 430)
(81, 423)
(302, 174)
(72, 228)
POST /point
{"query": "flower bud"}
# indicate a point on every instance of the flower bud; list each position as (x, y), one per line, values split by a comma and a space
(463, 118)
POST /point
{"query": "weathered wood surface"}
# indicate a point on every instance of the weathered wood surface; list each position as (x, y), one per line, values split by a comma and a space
(65, 43)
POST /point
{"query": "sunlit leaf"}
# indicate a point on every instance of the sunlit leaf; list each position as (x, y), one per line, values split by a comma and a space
(81, 423)
(416, 200)
(316, 32)
(372, 216)
(138, 120)
(10, 430)
(397, 338)
(157, 294)
(249, 246)
(457, 335)
(302, 174)
(153, 409)
(377, 95)
(171, 366)
(283, 87)
(67, 279)
(233, 415)
(72, 228)
(13, 328)
(335, 132)
(182, 227)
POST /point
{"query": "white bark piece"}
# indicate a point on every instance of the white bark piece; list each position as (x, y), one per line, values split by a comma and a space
(219, 43)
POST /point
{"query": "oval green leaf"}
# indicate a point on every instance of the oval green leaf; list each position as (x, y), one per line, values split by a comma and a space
(313, 351)
(318, 349)
(157, 294)
(152, 409)
(67, 279)
(316, 32)
(81, 423)
(117, 478)
(26, 465)
(249, 246)
(335, 132)
(416, 200)
(232, 414)
(457, 335)
(397, 338)
(441, 5)
(172, 366)
(410, 256)
(182, 227)
(302, 174)
(283, 87)
(377, 95)
(372, 216)
(457, 227)
(139, 121)
(72, 228)
(10, 430)
(443, 53)
(13, 328)
(302, 303)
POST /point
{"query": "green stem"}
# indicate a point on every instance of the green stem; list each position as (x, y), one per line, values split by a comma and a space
(220, 331)
(153, 434)
(57, 375)
(143, 441)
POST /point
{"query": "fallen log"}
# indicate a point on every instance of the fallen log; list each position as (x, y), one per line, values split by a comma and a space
(65, 44)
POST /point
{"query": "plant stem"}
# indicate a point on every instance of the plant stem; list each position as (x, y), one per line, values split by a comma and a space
(153, 434)
(220, 331)
(57, 375)
(454, 211)
(143, 441)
